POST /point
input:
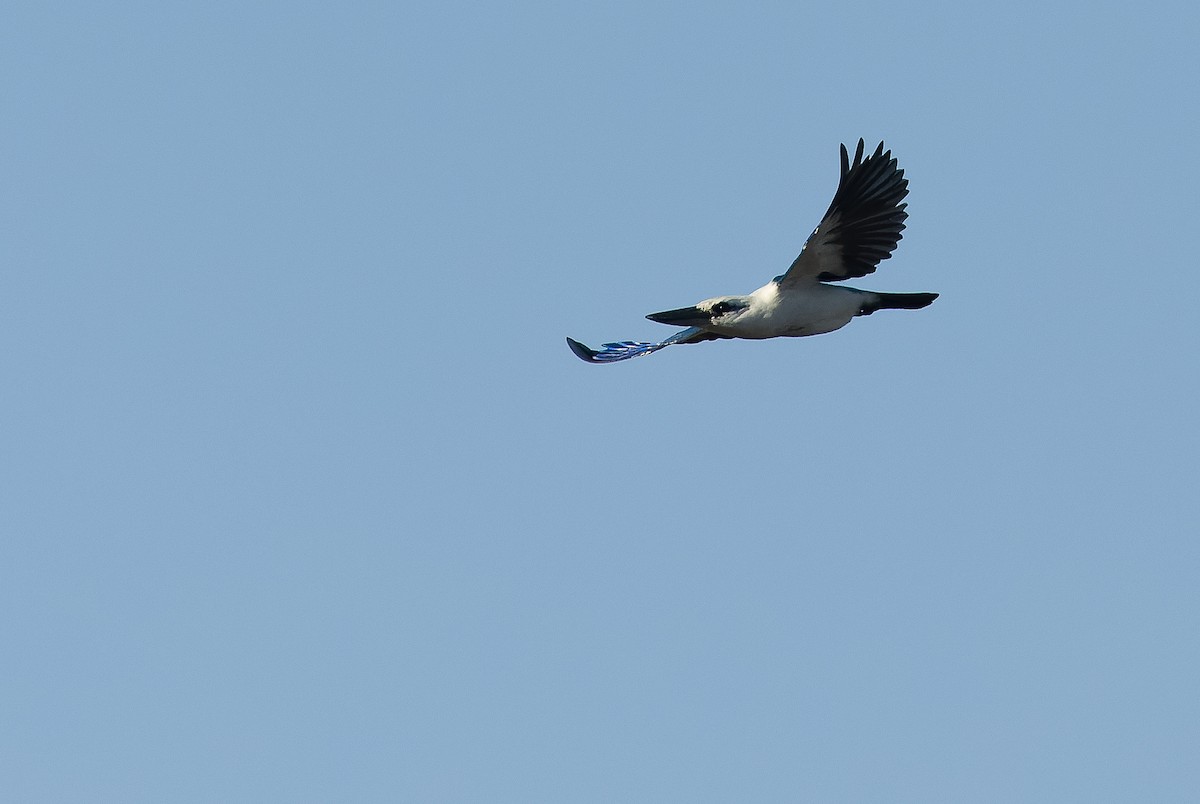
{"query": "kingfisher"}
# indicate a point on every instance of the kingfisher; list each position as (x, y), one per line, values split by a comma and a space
(860, 229)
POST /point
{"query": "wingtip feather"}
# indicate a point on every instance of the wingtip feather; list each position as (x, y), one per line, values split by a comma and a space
(581, 351)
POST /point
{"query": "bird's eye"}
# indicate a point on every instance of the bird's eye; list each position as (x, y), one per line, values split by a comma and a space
(721, 308)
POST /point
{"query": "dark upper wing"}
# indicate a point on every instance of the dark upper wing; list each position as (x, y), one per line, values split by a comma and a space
(623, 350)
(863, 223)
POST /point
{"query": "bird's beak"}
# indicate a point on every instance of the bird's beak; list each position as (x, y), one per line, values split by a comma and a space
(683, 317)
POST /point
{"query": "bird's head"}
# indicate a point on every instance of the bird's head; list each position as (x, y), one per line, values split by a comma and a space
(719, 311)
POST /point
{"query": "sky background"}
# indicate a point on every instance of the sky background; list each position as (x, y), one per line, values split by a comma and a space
(304, 498)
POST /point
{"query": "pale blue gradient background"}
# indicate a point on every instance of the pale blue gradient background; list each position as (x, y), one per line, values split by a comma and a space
(304, 497)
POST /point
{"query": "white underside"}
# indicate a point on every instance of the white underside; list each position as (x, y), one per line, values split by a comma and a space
(808, 309)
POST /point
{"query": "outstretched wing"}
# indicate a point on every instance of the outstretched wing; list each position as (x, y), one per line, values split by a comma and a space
(624, 350)
(863, 223)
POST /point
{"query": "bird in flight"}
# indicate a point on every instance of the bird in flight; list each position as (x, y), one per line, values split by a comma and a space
(861, 228)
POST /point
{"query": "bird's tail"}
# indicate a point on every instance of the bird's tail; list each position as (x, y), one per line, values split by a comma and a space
(898, 301)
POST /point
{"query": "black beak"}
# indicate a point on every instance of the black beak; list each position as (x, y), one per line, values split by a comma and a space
(683, 317)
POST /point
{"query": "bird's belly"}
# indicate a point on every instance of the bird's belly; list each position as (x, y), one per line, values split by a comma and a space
(810, 310)
(813, 314)
(817, 327)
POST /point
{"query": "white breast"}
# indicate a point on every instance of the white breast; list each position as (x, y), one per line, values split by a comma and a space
(810, 309)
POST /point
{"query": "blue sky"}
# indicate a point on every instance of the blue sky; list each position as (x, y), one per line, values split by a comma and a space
(304, 497)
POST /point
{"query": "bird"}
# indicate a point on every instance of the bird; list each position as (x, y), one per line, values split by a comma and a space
(861, 228)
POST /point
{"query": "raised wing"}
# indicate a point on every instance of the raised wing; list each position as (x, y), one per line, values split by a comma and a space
(863, 224)
(624, 350)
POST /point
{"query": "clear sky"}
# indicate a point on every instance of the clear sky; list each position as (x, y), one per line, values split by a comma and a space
(305, 498)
